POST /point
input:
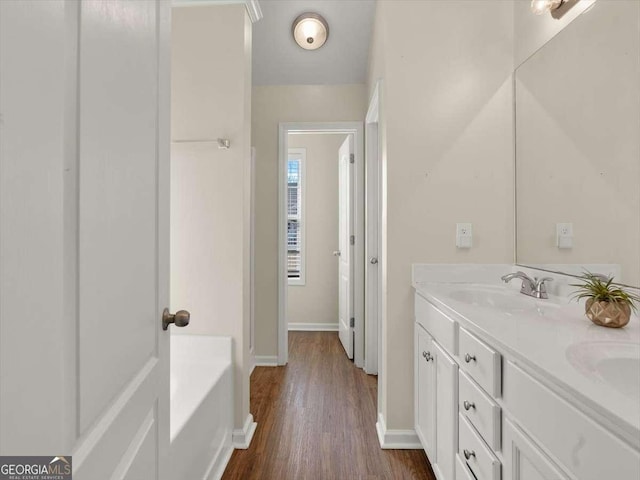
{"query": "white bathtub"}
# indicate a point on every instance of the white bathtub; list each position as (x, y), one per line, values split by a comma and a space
(201, 406)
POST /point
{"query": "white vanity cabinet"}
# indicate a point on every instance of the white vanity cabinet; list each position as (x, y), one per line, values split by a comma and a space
(483, 413)
(436, 387)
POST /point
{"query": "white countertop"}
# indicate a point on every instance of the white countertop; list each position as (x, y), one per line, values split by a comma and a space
(554, 338)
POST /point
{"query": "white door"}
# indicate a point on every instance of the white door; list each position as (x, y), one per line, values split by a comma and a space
(84, 171)
(425, 387)
(523, 459)
(446, 370)
(373, 280)
(345, 253)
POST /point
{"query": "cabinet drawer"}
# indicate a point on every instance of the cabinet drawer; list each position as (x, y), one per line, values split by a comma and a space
(439, 325)
(481, 362)
(480, 410)
(462, 471)
(481, 461)
(570, 438)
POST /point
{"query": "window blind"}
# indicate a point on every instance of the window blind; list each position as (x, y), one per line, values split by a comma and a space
(294, 217)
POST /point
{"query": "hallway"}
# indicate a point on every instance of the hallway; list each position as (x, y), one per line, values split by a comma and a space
(316, 421)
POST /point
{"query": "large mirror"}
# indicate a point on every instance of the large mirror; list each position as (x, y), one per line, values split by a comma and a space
(578, 147)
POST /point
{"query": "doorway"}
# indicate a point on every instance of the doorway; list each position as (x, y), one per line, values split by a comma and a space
(293, 236)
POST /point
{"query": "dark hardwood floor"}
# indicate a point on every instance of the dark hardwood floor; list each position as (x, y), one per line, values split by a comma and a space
(316, 420)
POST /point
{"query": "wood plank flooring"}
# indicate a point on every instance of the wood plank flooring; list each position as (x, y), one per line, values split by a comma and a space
(316, 420)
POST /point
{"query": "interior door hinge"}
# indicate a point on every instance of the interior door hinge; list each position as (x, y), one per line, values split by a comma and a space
(352, 322)
(352, 239)
(352, 158)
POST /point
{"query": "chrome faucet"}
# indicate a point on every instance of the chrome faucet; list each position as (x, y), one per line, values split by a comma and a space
(533, 287)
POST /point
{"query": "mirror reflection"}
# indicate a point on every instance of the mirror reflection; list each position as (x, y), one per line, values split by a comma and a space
(578, 147)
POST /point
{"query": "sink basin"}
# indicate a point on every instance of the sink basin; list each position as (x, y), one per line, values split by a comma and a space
(615, 363)
(499, 298)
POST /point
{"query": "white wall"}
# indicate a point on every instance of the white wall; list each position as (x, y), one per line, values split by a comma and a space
(316, 302)
(270, 106)
(447, 134)
(210, 188)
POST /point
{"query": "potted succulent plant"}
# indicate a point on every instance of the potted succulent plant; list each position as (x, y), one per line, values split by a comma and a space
(607, 303)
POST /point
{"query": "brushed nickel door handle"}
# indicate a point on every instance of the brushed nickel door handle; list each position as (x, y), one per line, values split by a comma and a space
(469, 405)
(179, 319)
(373, 260)
(336, 253)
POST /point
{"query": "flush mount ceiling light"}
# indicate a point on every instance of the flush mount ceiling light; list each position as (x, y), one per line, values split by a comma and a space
(310, 31)
(540, 7)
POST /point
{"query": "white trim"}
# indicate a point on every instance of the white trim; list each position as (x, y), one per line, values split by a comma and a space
(373, 241)
(283, 275)
(219, 463)
(252, 259)
(254, 10)
(265, 361)
(253, 6)
(373, 113)
(357, 130)
(396, 439)
(242, 437)
(302, 154)
(313, 327)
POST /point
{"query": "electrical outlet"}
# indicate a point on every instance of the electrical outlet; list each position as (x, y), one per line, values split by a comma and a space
(464, 229)
(564, 235)
(464, 235)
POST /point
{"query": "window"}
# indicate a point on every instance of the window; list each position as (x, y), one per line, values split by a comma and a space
(295, 216)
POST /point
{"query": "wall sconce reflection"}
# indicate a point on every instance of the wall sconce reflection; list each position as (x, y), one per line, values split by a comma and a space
(540, 7)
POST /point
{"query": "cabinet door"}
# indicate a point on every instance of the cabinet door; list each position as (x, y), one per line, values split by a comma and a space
(447, 407)
(524, 460)
(425, 392)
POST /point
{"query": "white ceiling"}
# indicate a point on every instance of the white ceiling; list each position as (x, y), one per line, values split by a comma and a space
(277, 60)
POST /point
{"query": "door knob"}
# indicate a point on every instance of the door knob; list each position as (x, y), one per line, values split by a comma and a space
(468, 454)
(468, 358)
(373, 261)
(336, 253)
(469, 405)
(179, 319)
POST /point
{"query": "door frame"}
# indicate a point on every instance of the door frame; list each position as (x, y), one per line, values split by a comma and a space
(357, 130)
(373, 240)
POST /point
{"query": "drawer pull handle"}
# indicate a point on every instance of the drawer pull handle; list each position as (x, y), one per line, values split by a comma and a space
(468, 358)
(427, 356)
(468, 454)
(469, 405)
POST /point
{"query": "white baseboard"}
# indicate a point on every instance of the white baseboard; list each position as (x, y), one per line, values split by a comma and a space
(265, 361)
(396, 439)
(219, 463)
(313, 327)
(241, 438)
